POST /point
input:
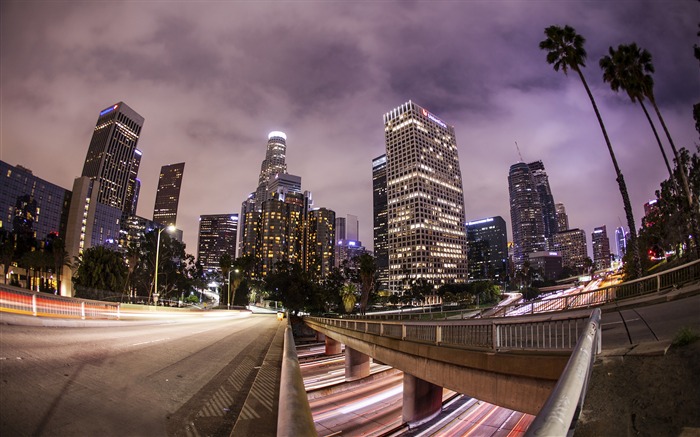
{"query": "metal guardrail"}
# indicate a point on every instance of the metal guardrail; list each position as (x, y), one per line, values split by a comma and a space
(294, 417)
(538, 332)
(560, 412)
(675, 277)
(20, 301)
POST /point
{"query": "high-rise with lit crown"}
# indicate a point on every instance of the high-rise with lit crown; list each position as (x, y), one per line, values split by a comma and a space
(427, 237)
(168, 194)
(110, 155)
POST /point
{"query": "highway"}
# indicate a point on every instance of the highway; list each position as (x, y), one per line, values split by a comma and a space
(183, 378)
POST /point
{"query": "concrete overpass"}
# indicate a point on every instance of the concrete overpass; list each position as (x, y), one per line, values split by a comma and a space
(514, 362)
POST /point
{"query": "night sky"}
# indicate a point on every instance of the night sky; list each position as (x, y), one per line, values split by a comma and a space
(212, 79)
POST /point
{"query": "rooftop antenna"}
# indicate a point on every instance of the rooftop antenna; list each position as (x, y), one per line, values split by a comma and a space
(519, 154)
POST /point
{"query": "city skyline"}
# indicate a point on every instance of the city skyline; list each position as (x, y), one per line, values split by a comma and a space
(212, 82)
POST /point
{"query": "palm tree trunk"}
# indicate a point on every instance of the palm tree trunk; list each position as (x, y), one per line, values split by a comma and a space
(633, 245)
(658, 140)
(684, 178)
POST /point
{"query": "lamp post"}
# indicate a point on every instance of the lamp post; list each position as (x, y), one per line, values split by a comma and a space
(155, 288)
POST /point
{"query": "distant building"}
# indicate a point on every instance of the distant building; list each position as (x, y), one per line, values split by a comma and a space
(217, 236)
(601, 248)
(168, 194)
(380, 224)
(621, 241)
(562, 218)
(549, 214)
(347, 243)
(110, 155)
(133, 188)
(527, 219)
(427, 239)
(320, 242)
(572, 247)
(31, 205)
(547, 262)
(488, 248)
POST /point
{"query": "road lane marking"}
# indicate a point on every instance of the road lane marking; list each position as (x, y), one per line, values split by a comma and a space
(152, 341)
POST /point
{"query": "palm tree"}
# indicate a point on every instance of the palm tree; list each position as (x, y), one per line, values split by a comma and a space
(367, 271)
(566, 52)
(627, 68)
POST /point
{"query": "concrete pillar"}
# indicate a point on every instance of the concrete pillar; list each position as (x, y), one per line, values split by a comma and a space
(421, 400)
(333, 347)
(356, 364)
(320, 336)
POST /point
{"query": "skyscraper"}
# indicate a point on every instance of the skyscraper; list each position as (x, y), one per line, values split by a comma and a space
(168, 194)
(601, 248)
(217, 236)
(562, 218)
(110, 156)
(380, 225)
(320, 242)
(488, 248)
(526, 215)
(549, 213)
(274, 163)
(427, 238)
(621, 241)
(571, 245)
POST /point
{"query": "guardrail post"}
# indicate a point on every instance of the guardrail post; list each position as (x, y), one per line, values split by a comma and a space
(495, 340)
(82, 310)
(438, 334)
(34, 304)
(658, 283)
(119, 306)
(403, 332)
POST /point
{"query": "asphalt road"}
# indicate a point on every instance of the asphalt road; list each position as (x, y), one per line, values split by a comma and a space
(176, 379)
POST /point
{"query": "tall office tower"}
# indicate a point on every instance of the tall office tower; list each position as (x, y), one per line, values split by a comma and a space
(601, 248)
(340, 223)
(168, 194)
(427, 237)
(274, 163)
(134, 186)
(347, 228)
(217, 236)
(281, 230)
(572, 246)
(37, 206)
(488, 248)
(111, 153)
(562, 218)
(621, 241)
(526, 216)
(320, 242)
(549, 213)
(283, 183)
(380, 224)
(249, 227)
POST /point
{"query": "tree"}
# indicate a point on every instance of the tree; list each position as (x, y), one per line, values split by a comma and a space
(7, 252)
(60, 258)
(349, 296)
(102, 269)
(225, 264)
(565, 51)
(368, 273)
(628, 68)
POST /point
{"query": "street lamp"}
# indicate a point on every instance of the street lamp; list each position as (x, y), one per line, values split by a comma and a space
(155, 288)
(229, 287)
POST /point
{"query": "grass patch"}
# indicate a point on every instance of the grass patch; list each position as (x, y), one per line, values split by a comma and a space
(685, 336)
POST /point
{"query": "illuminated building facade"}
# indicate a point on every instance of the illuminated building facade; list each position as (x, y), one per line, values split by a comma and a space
(571, 245)
(562, 218)
(525, 214)
(380, 224)
(488, 248)
(427, 239)
(281, 230)
(110, 156)
(549, 213)
(168, 194)
(621, 241)
(320, 242)
(601, 248)
(274, 163)
(134, 187)
(31, 206)
(217, 236)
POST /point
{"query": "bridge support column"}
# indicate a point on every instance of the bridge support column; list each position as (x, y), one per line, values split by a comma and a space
(320, 336)
(332, 346)
(356, 364)
(421, 400)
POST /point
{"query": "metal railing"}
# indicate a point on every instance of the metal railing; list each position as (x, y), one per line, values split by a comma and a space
(294, 416)
(20, 301)
(560, 412)
(538, 332)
